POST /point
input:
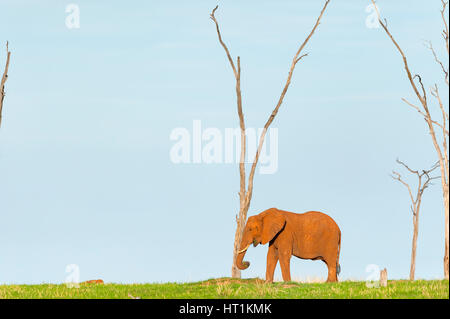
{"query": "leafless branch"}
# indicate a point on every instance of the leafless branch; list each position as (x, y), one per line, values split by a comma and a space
(435, 93)
(407, 167)
(405, 60)
(301, 57)
(438, 61)
(3, 81)
(425, 115)
(237, 74)
(421, 187)
(398, 177)
(415, 107)
(427, 174)
(424, 92)
(230, 59)
(445, 31)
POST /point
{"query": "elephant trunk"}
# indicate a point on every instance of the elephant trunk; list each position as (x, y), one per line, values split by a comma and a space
(242, 265)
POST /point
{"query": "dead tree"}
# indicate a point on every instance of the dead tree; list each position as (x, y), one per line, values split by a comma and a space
(415, 204)
(437, 130)
(245, 194)
(3, 82)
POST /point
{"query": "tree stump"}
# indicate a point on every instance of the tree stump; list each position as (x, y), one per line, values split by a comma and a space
(383, 278)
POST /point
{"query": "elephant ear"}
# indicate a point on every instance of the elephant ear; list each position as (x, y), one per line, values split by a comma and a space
(272, 223)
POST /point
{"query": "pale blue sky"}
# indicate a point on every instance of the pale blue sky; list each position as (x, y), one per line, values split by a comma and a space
(84, 148)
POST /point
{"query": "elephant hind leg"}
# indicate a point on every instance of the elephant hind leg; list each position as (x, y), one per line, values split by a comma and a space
(332, 271)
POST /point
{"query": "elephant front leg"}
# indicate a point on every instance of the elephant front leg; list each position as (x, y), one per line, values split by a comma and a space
(285, 264)
(272, 260)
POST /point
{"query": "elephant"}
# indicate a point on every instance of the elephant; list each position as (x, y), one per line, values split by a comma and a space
(311, 235)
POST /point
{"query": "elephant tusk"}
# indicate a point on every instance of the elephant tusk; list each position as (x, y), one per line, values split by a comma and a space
(242, 250)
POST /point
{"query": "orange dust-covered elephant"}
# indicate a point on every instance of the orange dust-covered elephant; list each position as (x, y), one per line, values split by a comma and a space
(312, 235)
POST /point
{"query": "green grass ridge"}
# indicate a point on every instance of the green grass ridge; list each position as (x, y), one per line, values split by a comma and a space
(228, 288)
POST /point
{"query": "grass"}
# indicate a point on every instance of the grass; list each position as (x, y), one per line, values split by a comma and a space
(227, 288)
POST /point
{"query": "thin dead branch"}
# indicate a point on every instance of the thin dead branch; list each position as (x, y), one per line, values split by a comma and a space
(3, 81)
(425, 115)
(438, 61)
(444, 20)
(237, 75)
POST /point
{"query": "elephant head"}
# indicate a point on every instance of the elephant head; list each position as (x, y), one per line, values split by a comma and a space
(260, 229)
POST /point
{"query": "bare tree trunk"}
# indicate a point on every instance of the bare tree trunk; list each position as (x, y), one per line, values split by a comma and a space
(245, 194)
(383, 278)
(3, 82)
(446, 203)
(412, 271)
(443, 156)
(235, 271)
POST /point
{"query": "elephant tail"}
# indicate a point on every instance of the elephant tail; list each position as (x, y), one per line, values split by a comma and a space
(338, 266)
